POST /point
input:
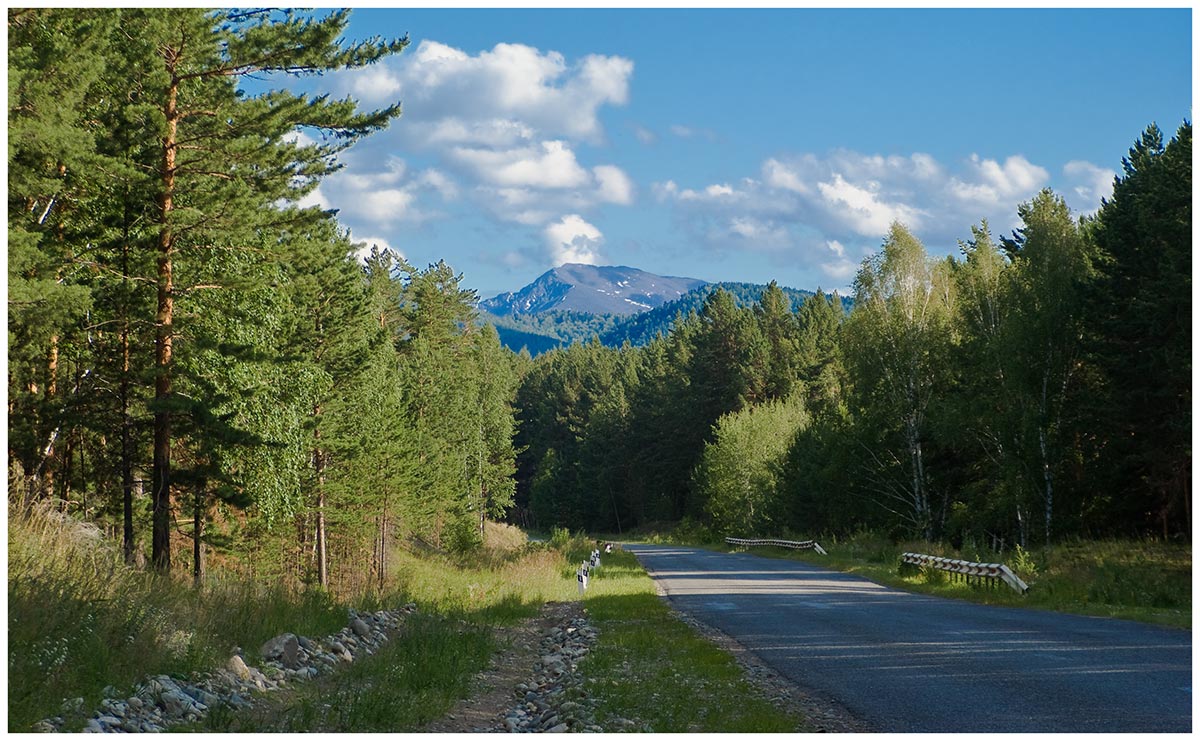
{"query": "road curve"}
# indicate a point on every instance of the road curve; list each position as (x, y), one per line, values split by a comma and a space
(902, 662)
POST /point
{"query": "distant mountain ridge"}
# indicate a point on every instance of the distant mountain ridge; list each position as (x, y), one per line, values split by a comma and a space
(522, 320)
(592, 289)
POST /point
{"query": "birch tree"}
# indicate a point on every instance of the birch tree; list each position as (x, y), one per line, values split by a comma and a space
(896, 341)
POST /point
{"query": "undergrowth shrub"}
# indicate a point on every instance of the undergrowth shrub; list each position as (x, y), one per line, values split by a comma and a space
(693, 531)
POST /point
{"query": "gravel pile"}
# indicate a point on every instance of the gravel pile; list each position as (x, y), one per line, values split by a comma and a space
(162, 701)
(554, 699)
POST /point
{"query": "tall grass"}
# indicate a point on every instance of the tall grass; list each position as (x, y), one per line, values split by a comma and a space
(414, 680)
(497, 585)
(80, 620)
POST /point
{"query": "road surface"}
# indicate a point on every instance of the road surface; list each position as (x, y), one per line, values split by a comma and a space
(902, 662)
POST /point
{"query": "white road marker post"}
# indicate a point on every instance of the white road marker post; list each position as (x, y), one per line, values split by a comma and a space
(581, 577)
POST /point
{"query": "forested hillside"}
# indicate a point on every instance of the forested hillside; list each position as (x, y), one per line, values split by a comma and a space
(540, 331)
(196, 362)
(1032, 387)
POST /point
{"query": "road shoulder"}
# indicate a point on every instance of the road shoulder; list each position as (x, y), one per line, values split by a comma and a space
(824, 715)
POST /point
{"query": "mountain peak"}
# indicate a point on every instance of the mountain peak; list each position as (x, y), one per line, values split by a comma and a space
(596, 289)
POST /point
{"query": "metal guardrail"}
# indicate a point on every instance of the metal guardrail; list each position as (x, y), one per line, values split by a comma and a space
(794, 544)
(968, 569)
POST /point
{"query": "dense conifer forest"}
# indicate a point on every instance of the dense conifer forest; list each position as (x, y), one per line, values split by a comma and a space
(212, 374)
(1030, 388)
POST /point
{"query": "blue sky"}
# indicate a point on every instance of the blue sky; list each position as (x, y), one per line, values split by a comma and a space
(739, 145)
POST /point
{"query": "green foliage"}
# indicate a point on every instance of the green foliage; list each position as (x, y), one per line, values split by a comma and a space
(559, 537)
(302, 391)
(897, 343)
(737, 474)
(1138, 318)
(1023, 564)
(547, 329)
(981, 398)
(693, 531)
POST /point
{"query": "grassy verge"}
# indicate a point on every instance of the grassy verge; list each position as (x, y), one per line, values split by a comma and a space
(647, 665)
(651, 668)
(405, 685)
(1149, 581)
(418, 677)
(79, 620)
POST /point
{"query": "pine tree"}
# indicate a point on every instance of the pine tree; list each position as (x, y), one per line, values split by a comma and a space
(225, 160)
(56, 58)
(781, 329)
(1139, 313)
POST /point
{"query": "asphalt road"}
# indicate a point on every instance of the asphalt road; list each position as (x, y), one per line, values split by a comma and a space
(902, 662)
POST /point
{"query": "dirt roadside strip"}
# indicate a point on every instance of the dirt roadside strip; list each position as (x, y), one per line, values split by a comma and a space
(528, 682)
(510, 684)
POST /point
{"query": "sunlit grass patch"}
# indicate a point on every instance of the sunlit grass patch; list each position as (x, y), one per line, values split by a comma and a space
(487, 586)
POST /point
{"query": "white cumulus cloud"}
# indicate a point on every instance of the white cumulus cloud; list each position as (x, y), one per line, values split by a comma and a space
(510, 89)
(499, 128)
(571, 239)
(863, 209)
(994, 183)
(778, 175)
(613, 185)
(385, 206)
(551, 164)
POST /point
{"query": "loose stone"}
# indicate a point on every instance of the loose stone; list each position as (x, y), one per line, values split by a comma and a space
(160, 700)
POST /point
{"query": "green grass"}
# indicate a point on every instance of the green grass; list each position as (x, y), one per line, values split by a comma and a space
(651, 668)
(405, 685)
(1149, 581)
(420, 675)
(79, 620)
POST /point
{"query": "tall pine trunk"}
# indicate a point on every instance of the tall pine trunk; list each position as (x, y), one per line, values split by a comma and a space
(164, 332)
(126, 421)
